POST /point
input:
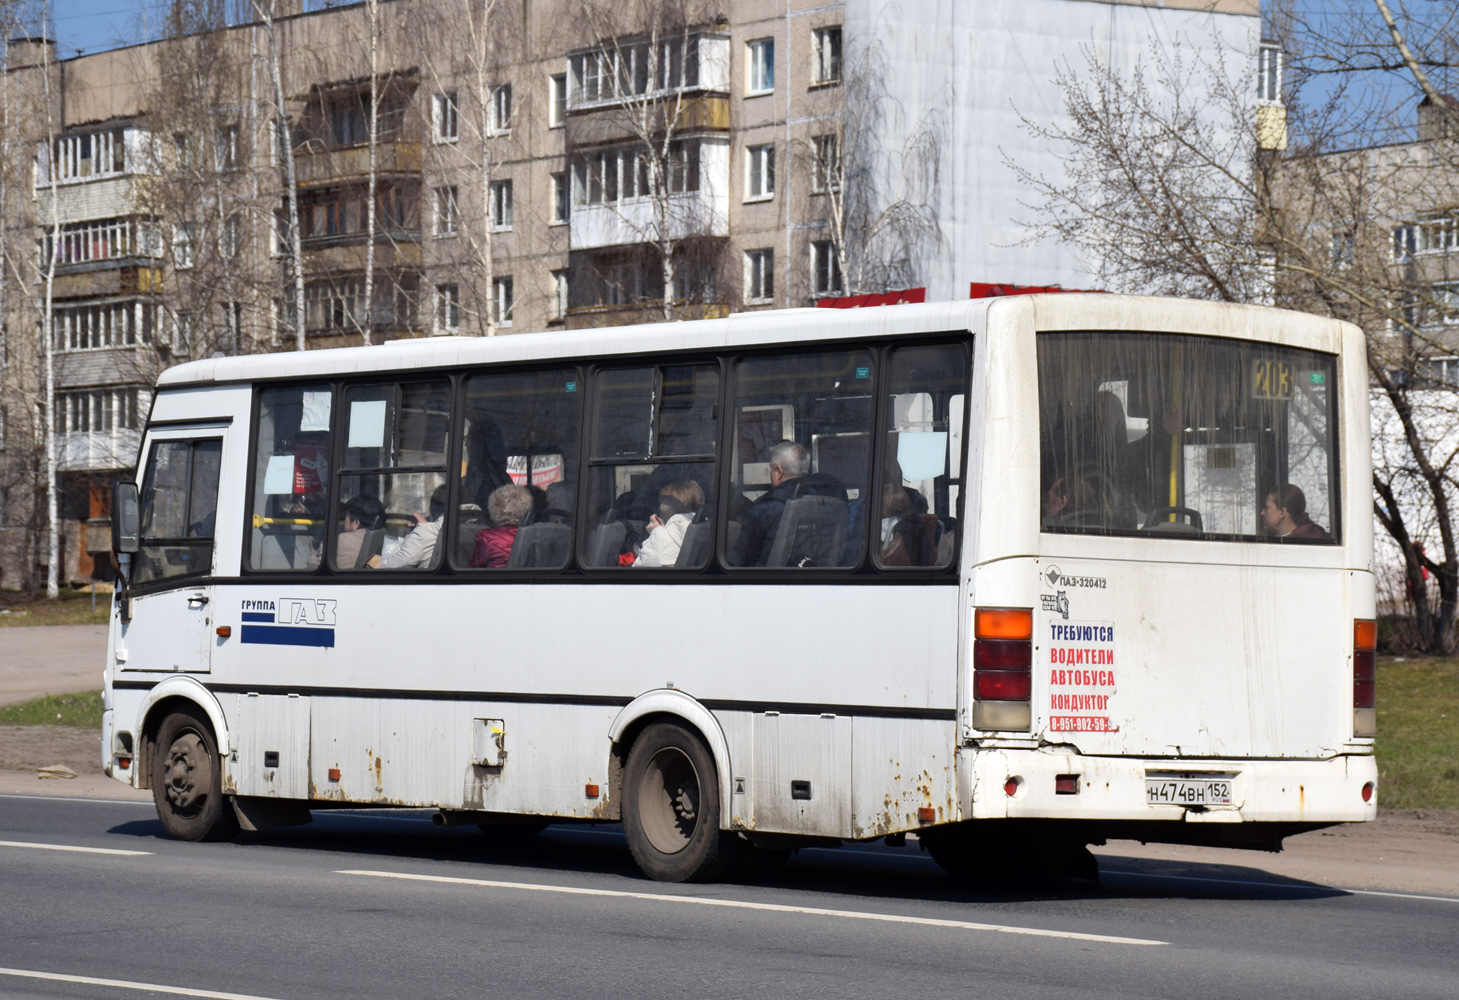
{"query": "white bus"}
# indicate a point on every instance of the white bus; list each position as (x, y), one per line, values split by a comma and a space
(1017, 575)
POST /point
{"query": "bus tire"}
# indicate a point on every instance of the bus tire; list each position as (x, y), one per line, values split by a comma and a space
(671, 808)
(187, 780)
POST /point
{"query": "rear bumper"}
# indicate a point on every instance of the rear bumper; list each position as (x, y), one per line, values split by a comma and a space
(1113, 788)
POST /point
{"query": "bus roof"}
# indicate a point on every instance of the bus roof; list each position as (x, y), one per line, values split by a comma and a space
(1082, 310)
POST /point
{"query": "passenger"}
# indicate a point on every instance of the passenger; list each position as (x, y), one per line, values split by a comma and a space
(361, 516)
(679, 500)
(1071, 501)
(790, 463)
(418, 549)
(1285, 514)
(908, 538)
(506, 507)
(561, 497)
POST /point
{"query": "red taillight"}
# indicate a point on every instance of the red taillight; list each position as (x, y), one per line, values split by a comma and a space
(1002, 685)
(1365, 677)
(1368, 791)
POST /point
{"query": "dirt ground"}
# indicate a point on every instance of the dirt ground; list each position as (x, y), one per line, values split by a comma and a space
(1416, 852)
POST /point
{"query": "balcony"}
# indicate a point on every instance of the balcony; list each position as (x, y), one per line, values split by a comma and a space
(96, 451)
(612, 122)
(316, 165)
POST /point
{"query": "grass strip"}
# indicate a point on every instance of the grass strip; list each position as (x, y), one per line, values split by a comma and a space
(80, 711)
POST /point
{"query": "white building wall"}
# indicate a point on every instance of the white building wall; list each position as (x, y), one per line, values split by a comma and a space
(985, 64)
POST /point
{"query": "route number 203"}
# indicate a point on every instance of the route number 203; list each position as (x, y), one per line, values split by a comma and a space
(1271, 379)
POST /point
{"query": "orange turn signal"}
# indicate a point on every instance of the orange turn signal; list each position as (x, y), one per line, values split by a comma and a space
(926, 814)
(1003, 623)
(224, 630)
(1365, 633)
(334, 774)
(591, 791)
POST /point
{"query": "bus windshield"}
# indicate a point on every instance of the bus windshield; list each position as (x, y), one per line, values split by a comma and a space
(1189, 436)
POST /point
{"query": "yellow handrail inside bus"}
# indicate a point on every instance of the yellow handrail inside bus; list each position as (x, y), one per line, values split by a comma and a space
(259, 520)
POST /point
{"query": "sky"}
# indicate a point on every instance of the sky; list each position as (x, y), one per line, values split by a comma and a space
(94, 25)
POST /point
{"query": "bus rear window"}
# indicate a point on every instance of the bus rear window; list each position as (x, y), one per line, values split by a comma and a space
(1167, 435)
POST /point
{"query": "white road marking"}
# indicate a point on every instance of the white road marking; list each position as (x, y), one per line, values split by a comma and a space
(1285, 885)
(890, 918)
(67, 847)
(123, 984)
(77, 798)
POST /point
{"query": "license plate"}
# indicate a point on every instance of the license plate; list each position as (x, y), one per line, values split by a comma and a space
(1188, 791)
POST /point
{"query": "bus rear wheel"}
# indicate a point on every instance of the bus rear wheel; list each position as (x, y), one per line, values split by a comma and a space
(187, 780)
(671, 808)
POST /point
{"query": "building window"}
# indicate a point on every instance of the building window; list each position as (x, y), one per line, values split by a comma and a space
(683, 165)
(825, 268)
(561, 199)
(828, 56)
(827, 164)
(187, 156)
(759, 275)
(184, 242)
(558, 309)
(182, 334)
(448, 215)
(760, 172)
(230, 245)
(103, 239)
(501, 205)
(227, 151)
(761, 66)
(445, 117)
(557, 100)
(1269, 73)
(501, 109)
(448, 309)
(502, 300)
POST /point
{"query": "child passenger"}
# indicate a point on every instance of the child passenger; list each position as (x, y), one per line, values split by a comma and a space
(679, 500)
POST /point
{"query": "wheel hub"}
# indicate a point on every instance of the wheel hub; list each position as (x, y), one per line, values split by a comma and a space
(669, 800)
(186, 767)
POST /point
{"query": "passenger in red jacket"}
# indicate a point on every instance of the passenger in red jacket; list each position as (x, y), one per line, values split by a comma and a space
(506, 507)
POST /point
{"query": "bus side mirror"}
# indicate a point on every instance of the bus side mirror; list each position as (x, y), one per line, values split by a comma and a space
(126, 526)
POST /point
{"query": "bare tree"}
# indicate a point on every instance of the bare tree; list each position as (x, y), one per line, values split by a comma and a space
(881, 204)
(1173, 181)
(643, 67)
(264, 11)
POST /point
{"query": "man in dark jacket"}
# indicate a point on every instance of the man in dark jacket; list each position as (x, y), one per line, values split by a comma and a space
(790, 464)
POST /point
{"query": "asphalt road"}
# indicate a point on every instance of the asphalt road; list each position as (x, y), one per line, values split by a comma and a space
(374, 904)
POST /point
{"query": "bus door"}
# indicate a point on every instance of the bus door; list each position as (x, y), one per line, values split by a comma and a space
(171, 617)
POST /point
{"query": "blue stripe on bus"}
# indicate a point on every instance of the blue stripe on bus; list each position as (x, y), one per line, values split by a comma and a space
(258, 616)
(284, 635)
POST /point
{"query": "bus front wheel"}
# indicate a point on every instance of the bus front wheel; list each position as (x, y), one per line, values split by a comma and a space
(671, 808)
(187, 780)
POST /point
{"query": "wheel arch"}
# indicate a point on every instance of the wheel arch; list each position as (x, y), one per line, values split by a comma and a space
(669, 705)
(171, 694)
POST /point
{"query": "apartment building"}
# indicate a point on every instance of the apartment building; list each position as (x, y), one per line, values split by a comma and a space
(455, 168)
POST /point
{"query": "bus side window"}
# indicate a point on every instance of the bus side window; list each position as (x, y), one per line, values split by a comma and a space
(392, 480)
(179, 501)
(916, 524)
(518, 493)
(800, 469)
(290, 479)
(651, 480)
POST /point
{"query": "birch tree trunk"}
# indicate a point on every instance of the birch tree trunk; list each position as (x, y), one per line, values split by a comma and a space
(264, 11)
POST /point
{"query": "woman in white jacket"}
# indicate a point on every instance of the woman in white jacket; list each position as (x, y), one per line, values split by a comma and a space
(679, 500)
